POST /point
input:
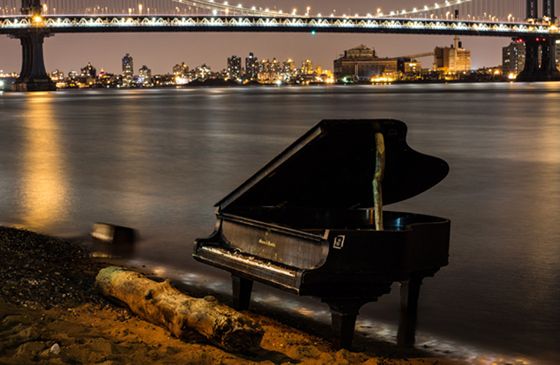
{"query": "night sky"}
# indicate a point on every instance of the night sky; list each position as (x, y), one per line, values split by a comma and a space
(160, 51)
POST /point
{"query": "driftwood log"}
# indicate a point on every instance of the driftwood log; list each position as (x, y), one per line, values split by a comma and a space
(162, 304)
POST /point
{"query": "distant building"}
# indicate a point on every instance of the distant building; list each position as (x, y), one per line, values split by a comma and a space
(88, 71)
(513, 58)
(307, 68)
(361, 64)
(145, 72)
(453, 59)
(202, 73)
(180, 69)
(128, 65)
(127, 70)
(145, 76)
(412, 67)
(234, 68)
(73, 75)
(270, 71)
(57, 75)
(180, 74)
(251, 67)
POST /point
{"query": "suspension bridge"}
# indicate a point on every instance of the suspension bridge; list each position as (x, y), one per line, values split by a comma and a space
(31, 21)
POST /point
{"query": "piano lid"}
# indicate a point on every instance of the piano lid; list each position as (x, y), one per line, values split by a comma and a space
(332, 166)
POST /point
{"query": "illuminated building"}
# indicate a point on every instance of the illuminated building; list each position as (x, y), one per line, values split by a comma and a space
(88, 75)
(453, 59)
(145, 76)
(180, 70)
(127, 70)
(88, 71)
(234, 68)
(288, 71)
(307, 67)
(270, 71)
(361, 64)
(513, 58)
(73, 75)
(202, 73)
(57, 76)
(412, 67)
(251, 67)
(180, 74)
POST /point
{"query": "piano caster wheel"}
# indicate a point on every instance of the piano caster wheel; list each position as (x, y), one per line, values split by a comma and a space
(241, 292)
(410, 292)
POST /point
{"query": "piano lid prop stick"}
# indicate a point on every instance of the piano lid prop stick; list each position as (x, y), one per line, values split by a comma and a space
(378, 180)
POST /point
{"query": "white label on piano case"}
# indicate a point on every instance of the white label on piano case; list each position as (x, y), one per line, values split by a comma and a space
(339, 242)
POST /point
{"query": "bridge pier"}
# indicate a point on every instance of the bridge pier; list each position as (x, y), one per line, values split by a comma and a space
(548, 70)
(541, 68)
(531, 69)
(33, 75)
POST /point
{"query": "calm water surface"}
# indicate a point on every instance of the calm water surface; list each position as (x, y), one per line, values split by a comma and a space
(158, 160)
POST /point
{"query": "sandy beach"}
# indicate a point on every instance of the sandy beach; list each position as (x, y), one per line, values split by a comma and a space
(51, 313)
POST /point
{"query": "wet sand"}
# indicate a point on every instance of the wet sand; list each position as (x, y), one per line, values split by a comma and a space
(75, 325)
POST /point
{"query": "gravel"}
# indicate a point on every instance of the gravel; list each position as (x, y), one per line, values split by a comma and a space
(38, 271)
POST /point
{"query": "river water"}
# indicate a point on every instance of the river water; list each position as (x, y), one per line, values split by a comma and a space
(158, 160)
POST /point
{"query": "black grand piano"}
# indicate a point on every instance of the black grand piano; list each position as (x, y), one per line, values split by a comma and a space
(311, 222)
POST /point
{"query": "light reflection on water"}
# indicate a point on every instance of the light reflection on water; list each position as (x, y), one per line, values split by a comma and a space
(157, 160)
(44, 172)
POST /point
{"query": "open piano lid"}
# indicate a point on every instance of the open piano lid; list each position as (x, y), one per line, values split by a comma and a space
(332, 166)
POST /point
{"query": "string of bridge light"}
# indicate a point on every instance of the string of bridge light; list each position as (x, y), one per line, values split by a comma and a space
(229, 9)
(226, 8)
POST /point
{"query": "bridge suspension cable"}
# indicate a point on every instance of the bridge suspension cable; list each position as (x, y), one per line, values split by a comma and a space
(493, 10)
(473, 10)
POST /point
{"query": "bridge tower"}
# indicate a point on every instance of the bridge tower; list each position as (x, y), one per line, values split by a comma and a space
(33, 75)
(532, 9)
(545, 47)
(548, 10)
(31, 7)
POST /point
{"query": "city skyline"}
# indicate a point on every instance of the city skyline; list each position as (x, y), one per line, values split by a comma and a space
(320, 51)
(64, 50)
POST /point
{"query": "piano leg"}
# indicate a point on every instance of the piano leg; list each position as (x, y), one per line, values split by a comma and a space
(241, 292)
(410, 291)
(343, 314)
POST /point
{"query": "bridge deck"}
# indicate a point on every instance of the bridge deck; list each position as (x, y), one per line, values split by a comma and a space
(172, 23)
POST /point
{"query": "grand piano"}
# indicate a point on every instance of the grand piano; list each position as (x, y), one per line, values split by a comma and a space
(311, 222)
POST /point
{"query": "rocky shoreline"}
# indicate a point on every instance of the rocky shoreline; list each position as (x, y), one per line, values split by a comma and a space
(51, 313)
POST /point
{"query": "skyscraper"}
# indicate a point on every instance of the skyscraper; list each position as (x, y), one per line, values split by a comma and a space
(127, 70)
(234, 67)
(513, 58)
(128, 64)
(251, 67)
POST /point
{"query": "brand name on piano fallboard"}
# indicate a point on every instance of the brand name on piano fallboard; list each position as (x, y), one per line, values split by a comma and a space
(267, 243)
